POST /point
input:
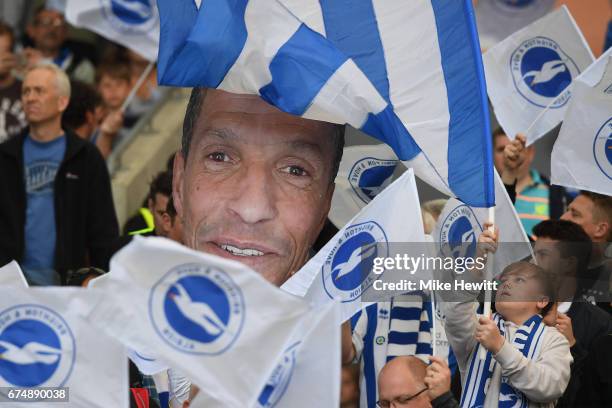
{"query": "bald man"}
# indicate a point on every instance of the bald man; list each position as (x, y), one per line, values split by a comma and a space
(406, 381)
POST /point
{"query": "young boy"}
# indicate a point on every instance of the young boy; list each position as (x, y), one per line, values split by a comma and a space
(113, 81)
(527, 363)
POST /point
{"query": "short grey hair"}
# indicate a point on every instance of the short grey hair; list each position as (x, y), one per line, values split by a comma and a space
(62, 80)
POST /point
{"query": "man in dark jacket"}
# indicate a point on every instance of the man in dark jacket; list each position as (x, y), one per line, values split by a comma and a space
(564, 248)
(56, 208)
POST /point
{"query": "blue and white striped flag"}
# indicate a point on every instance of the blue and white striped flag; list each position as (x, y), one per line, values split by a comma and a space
(408, 73)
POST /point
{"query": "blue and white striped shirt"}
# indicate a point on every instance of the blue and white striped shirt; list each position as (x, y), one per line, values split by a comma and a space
(386, 330)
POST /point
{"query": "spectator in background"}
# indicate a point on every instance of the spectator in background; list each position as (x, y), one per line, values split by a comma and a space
(148, 94)
(85, 117)
(82, 116)
(172, 224)
(593, 212)
(564, 249)
(12, 118)
(149, 220)
(48, 31)
(113, 80)
(402, 383)
(533, 197)
(56, 206)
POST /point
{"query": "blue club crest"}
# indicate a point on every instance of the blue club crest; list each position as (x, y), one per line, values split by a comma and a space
(347, 271)
(459, 233)
(197, 309)
(542, 72)
(131, 16)
(37, 347)
(369, 176)
(602, 148)
(277, 384)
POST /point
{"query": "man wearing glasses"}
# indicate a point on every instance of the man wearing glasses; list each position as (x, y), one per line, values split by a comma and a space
(406, 381)
(48, 31)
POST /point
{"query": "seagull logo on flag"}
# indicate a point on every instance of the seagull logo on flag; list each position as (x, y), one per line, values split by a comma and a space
(549, 70)
(31, 353)
(134, 7)
(357, 255)
(198, 312)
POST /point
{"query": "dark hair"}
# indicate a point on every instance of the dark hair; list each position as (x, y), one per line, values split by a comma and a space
(76, 278)
(6, 29)
(547, 281)
(194, 107)
(498, 132)
(114, 69)
(161, 184)
(603, 208)
(170, 210)
(573, 241)
(83, 99)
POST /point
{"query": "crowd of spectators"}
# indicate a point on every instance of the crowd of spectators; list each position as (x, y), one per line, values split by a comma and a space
(64, 109)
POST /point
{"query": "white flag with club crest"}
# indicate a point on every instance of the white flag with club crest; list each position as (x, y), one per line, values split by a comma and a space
(582, 155)
(47, 340)
(342, 270)
(215, 320)
(529, 74)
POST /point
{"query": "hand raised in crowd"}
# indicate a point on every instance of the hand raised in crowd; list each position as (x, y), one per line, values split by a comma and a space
(32, 56)
(487, 243)
(8, 61)
(488, 334)
(564, 325)
(437, 377)
(112, 123)
(514, 156)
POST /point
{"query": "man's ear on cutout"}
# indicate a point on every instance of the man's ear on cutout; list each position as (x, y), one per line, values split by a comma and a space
(178, 172)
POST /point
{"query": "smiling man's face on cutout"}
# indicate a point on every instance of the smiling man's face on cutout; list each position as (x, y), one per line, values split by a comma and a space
(256, 183)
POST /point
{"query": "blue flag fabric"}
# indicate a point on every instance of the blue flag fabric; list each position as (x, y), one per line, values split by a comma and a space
(407, 73)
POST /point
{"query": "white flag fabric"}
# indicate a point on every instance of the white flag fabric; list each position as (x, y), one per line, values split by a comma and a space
(147, 364)
(497, 19)
(131, 23)
(582, 155)
(459, 226)
(342, 269)
(531, 71)
(11, 275)
(217, 321)
(363, 173)
(308, 373)
(46, 340)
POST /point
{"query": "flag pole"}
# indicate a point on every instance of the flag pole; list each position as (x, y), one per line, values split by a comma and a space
(434, 348)
(489, 273)
(137, 85)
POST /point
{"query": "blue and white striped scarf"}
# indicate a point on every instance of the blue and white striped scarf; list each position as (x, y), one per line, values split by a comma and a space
(527, 340)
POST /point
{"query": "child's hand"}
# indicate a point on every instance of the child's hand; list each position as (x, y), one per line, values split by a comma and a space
(564, 325)
(487, 334)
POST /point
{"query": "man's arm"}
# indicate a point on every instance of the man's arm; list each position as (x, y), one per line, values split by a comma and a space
(102, 225)
(543, 380)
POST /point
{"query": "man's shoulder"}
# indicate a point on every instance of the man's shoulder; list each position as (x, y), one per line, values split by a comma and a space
(13, 91)
(12, 146)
